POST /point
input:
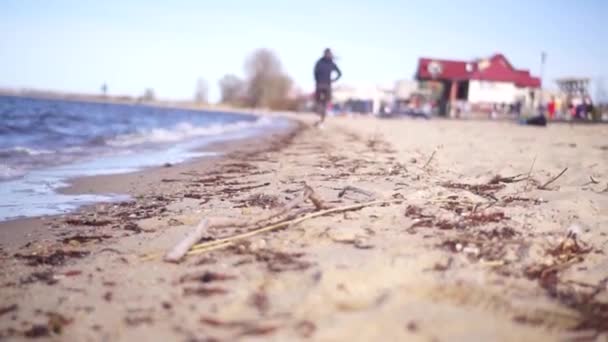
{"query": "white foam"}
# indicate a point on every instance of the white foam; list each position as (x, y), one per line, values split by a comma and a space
(8, 172)
(184, 131)
(24, 151)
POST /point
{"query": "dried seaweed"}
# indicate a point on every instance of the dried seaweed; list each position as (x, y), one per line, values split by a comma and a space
(57, 258)
(483, 190)
(416, 212)
(84, 238)
(276, 261)
(46, 277)
(206, 277)
(87, 222)
(37, 330)
(8, 309)
(305, 329)
(260, 200)
(512, 179)
(204, 291)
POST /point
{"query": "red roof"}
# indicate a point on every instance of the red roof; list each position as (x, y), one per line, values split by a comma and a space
(497, 68)
(454, 70)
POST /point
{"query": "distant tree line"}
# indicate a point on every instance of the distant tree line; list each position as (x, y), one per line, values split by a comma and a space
(266, 84)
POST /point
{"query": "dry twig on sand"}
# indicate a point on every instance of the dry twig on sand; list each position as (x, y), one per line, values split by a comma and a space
(530, 173)
(591, 181)
(356, 190)
(544, 186)
(222, 243)
(430, 159)
(185, 246)
(180, 250)
(512, 179)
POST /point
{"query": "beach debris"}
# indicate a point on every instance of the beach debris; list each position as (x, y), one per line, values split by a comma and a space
(57, 321)
(443, 266)
(231, 191)
(512, 179)
(87, 222)
(226, 242)
(305, 329)
(591, 181)
(136, 320)
(46, 277)
(570, 247)
(529, 177)
(545, 185)
(79, 239)
(184, 246)
(275, 261)
(204, 291)
(71, 273)
(483, 190)
(206, 277)
(57, 258)
(260, 301)
(244, 328)
(37, 330)
(132, 226)
(8, 309)
(257, 330)
(261, 200)
(350, 188)
(429, 160)
(180, 250)
(55, 324)
(513, 199)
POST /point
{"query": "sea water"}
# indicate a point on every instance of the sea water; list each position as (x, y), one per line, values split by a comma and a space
(45, 143)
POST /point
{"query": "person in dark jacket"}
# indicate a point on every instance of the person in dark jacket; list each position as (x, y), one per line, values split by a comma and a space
(324, 68)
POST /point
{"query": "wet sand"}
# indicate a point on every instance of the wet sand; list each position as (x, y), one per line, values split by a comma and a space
(459, 254)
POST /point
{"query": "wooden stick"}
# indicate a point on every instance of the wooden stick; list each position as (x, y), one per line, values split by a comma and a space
(544, 186)
(225, 242)
(315, 199)
(530, 174)
(591, 181)
(355, 189)
(180, 250)
(511, 179)
(430, 159)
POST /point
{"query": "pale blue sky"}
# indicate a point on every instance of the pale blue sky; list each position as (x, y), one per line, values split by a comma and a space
(76, 45)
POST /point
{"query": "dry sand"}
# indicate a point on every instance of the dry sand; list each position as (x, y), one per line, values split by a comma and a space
(459, 258)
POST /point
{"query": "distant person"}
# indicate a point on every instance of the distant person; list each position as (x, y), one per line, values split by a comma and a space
(588, 108)
(551, 108)
(324, 68)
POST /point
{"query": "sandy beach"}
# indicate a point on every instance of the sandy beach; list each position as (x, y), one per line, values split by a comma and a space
(477, 239)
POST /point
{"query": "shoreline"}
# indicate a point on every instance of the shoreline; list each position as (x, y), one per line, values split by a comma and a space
(457, 254)
(137, 183)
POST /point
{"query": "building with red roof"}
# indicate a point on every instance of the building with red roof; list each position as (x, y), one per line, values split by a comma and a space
(486, 81)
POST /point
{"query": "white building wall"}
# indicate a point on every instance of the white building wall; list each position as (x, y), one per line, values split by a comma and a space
(374, 93)
(492, 92)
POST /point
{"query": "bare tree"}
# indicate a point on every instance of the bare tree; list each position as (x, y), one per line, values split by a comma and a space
(232, 89)
(149, 95)
(268, 85)
(201, 95)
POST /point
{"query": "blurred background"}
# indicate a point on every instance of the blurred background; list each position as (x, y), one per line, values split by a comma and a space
(185, 50)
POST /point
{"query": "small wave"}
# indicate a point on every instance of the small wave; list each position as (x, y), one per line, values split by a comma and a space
(20, 151)
(8, 172)
(183, 131)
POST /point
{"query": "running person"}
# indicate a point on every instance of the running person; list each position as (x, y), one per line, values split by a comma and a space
(323, 69)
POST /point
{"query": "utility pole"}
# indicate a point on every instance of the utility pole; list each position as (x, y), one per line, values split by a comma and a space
(543, 59)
